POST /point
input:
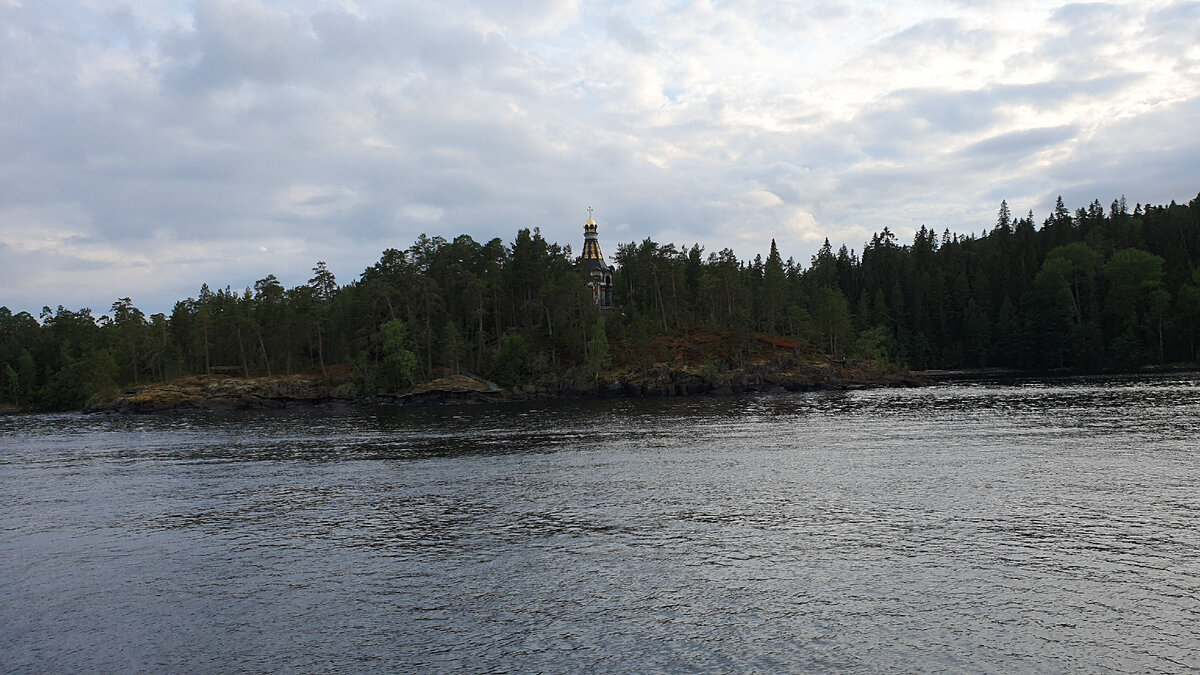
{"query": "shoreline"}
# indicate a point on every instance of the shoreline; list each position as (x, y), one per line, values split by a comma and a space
(212, 393)
(201, 393)
(1000, 374)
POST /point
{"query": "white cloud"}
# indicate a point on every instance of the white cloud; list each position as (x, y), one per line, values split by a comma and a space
(33, 230)
(169, 144)
(316, 201)
(422, 213)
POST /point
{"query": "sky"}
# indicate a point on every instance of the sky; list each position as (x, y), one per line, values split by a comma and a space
(147, 148)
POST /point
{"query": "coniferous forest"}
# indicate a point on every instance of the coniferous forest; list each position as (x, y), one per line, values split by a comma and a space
(1095, 289)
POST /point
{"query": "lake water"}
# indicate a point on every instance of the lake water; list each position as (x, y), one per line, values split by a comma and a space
(1038, 526)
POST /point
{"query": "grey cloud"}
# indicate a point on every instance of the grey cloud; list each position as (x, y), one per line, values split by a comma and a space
(1187, 12)
(1082, 50)
(126, 27)
(1172, 31)
(908, 182)
(1158, 151)
(943, 33)
(239, 42)
(802, 16)
(1050, 94)
(231, 44)
(621, 30)
(1022, 192)
(906, 120)
(461, 48)
(952, 111)
(346, 36)
(1017, 145)
(407, 40)
(529, 16)
(1086, 15)
(334, 137)
(910, 121)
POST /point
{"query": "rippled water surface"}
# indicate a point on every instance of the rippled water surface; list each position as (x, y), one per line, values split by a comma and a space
(1040, 526)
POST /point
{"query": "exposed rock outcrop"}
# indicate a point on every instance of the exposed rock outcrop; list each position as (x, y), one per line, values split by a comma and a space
(204, 392)
(774, 375)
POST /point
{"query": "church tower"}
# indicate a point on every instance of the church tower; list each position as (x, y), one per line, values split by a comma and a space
(599, 273)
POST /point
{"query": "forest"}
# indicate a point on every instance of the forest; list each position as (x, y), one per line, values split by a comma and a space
(1091, 290)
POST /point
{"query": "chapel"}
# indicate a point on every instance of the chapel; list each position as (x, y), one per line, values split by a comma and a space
(599, 273)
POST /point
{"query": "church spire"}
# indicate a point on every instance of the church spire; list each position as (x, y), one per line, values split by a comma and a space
(599, 273)
(591, 244)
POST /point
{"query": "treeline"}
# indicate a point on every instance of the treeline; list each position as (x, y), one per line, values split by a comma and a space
(1089, 290)
(1086, 290)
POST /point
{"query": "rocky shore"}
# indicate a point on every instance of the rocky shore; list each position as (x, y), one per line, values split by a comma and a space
(211, 392)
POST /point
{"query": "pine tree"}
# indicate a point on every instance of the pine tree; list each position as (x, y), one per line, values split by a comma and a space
(773, 281)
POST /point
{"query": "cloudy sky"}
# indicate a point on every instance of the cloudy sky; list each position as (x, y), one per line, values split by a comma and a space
(151, 146)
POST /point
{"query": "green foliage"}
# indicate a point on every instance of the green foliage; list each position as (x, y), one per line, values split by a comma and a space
(597, 348)
(1188, 309)
(831, 313)
(399, 364)
(323, 283)
(1086, 345)
(876, 344)
(1133, 274)
(1137, 304)
(977, 336)
(26, 377)
(510, 366)
(773, 285)
(12, 385)
(90, 377)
